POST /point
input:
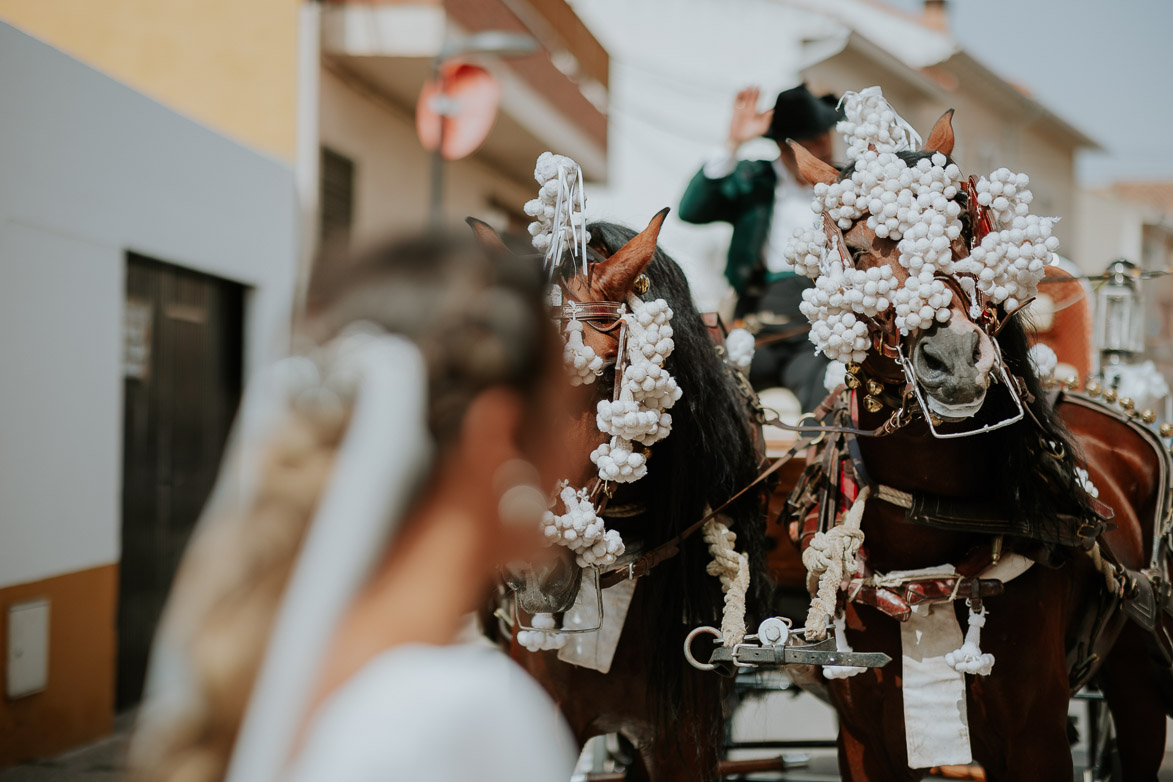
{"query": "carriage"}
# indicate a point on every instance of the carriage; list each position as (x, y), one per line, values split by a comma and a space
(946, 483)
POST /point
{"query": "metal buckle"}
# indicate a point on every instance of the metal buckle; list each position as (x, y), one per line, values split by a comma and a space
(1000, 366)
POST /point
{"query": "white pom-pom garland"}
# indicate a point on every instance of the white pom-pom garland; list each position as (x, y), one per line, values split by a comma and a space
(870, 121)
(582, 364)
(559, 211)
(581, 530)
(915, 207)
(637, 419)
(739, 347)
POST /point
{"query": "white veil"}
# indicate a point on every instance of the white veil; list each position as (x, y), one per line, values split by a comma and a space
(382, 459)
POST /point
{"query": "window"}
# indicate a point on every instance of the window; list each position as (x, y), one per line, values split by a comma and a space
(336, 203)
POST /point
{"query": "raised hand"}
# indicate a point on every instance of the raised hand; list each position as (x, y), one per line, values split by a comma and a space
(747, 123)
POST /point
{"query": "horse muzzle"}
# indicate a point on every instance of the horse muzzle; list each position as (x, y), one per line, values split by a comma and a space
(548, 587)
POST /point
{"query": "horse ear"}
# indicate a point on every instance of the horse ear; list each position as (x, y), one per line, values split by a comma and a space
(616, 276)
(941, 138)
(486, 236)
(811, 168)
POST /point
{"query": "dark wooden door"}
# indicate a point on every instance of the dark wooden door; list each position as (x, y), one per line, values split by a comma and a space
(182, 357)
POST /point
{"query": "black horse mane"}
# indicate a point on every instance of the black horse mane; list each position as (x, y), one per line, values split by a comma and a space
(1030, 481)
(709, 456)
(1033, 463)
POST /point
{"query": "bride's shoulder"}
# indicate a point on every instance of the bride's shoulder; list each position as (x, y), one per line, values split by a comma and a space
(410, 706)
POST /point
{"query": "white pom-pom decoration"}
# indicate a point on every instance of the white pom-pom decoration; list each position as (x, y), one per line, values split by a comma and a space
(739, 347)
(543, 636)
(559, 211)
(835, 376)
(582, 364)
(913, 206)
(581, 530)
(637, 419)
(1044, 360)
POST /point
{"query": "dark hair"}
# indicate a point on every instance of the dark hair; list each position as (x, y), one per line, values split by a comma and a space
(709, 457)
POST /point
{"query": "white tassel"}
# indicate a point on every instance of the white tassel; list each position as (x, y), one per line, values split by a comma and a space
(841, 645)
(969, 658)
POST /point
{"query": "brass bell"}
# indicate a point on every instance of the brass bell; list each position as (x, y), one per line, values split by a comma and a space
(1148, 416)
(875, 387)
(642, 284)
(1110, 395)
(872, 404)
(1092, 388)
(1166, 429)
(852, 381)
(1127, 403)
(853, 368)
(1072, 383)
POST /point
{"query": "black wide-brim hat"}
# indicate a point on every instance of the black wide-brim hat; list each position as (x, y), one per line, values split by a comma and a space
(798, 114)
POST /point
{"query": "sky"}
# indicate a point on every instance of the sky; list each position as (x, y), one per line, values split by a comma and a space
(1105, 66)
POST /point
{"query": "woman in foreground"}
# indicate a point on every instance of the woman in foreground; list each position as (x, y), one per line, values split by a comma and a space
(377, 479)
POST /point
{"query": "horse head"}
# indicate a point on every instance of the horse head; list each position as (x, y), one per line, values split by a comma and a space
(916, 268)
(593, 300)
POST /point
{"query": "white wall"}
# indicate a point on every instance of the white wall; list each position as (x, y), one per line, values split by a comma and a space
(88, 170)
(1107, 228)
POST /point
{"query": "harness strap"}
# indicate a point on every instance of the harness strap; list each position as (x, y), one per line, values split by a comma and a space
(643, 564)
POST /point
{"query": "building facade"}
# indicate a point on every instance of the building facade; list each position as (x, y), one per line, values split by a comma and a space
(170, 171)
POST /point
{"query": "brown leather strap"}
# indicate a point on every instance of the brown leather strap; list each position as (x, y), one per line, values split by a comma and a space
(643, 564)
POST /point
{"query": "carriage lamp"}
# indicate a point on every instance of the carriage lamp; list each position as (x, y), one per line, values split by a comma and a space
(1119, 331)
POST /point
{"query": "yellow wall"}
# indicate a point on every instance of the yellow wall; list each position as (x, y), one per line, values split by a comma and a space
(230, 64)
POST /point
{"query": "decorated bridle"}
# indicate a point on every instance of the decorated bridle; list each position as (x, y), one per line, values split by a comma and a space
(887, 340)
(633, 415)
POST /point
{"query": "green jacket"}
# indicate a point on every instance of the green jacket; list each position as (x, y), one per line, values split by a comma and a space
(745, 199)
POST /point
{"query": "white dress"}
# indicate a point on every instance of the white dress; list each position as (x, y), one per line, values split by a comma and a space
(437, 714)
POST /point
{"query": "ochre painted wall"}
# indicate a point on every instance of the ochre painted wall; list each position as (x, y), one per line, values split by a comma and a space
(229, 64)
(78, 704)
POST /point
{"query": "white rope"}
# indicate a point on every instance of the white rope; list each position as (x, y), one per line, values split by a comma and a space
(901, 499)
(1105, 568)
(830, 557)
(732, 568)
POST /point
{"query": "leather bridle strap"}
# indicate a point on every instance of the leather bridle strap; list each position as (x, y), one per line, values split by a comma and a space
(644, 563)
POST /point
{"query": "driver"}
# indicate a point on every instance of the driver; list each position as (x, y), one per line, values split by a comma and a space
(765, 201)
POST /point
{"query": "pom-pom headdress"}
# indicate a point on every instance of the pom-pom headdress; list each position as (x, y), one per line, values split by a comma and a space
(914, 205)
(559, 211)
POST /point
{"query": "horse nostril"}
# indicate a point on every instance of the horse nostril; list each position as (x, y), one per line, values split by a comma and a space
(560, 573)
(931, 362)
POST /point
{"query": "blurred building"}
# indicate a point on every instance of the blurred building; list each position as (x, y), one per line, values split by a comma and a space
(168, 171)
(675, 75)
(1134, 220)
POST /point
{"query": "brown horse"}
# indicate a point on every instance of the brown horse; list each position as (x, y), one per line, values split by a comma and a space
(670, 712)
(1054, 626)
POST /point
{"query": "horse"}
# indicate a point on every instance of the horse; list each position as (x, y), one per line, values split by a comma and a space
(671, 713)
(1057, 624)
